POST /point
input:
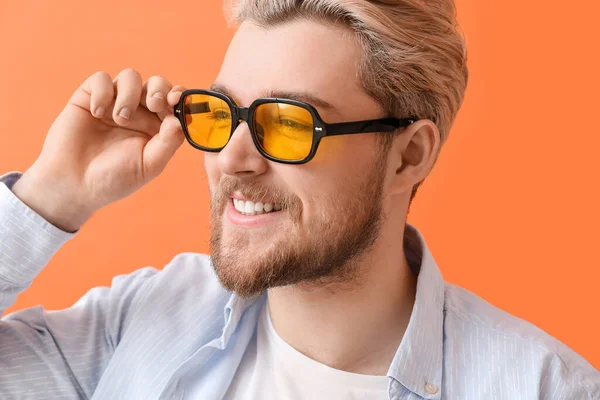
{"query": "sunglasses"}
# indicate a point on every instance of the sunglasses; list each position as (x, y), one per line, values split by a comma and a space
(283, 130)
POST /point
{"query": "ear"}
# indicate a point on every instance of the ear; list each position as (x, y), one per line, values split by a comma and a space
(413, 154)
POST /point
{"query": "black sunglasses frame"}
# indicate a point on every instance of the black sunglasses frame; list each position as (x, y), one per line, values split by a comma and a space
(321, 129)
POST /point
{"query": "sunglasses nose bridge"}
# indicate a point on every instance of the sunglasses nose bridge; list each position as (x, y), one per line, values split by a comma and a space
(243, 114)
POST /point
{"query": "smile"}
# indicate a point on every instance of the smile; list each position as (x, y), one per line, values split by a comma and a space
(247, 207)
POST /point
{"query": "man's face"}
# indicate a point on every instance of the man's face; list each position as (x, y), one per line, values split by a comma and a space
(331, 206)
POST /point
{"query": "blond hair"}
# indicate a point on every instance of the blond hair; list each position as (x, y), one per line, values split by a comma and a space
(414, 56)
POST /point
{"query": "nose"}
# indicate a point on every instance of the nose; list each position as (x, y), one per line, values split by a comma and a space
(240, 157)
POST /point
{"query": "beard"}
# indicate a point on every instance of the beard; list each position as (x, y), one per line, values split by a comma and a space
(326, 254)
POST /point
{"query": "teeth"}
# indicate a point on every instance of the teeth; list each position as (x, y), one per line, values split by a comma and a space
(252, 208)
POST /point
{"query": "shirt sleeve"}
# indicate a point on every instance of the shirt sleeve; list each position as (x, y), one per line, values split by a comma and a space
(54, 354)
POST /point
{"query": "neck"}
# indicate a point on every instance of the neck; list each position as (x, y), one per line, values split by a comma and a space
(355, 328)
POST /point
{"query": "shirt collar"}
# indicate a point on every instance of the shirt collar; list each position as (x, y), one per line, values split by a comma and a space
(418, 361)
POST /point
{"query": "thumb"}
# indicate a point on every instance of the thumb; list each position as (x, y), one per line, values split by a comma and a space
(161, 148)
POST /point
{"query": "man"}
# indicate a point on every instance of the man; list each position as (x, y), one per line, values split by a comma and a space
(316, 287)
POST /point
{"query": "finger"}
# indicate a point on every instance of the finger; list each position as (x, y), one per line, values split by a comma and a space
(161, 148)
(96, 94)
(128, 85)
(174, 95)
(101, 93)
(154, 94)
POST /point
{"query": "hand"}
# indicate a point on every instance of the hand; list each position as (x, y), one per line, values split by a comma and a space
(113, 137)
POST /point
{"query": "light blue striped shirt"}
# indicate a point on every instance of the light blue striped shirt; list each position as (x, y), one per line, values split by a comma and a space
(163, 334)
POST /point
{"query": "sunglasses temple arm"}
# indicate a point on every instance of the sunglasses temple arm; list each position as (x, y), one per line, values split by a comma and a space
(376, 125)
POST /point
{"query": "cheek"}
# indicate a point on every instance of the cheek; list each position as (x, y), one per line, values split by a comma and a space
(330, 150)
(324, 190)
(211, 168)
(344, 155)
(336, 178)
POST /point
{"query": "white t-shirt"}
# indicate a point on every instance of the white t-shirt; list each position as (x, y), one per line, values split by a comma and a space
(272, 369)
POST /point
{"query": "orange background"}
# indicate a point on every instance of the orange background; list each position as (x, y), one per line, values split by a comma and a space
(510, 211)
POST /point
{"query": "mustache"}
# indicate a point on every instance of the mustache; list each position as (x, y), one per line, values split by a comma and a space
(252, 190)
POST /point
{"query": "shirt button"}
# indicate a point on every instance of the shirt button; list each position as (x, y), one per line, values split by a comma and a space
(431, 388)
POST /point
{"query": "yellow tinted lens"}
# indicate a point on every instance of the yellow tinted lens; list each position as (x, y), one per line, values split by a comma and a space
(284, 131)
(208, 120)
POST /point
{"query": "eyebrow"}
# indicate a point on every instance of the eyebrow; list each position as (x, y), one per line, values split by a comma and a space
(282, 94)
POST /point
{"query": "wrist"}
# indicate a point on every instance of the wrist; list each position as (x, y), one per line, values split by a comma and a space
(51, 201)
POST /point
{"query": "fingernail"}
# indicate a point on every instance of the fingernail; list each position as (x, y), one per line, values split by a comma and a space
(159, 95)
(125, 113)
(99, 111)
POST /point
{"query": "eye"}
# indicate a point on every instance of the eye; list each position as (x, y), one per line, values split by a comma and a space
(221, 114)
(288, 123)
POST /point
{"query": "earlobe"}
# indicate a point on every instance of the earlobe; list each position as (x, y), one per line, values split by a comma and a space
(415, 155)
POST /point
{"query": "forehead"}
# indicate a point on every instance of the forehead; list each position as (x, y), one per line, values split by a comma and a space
(300, 56)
